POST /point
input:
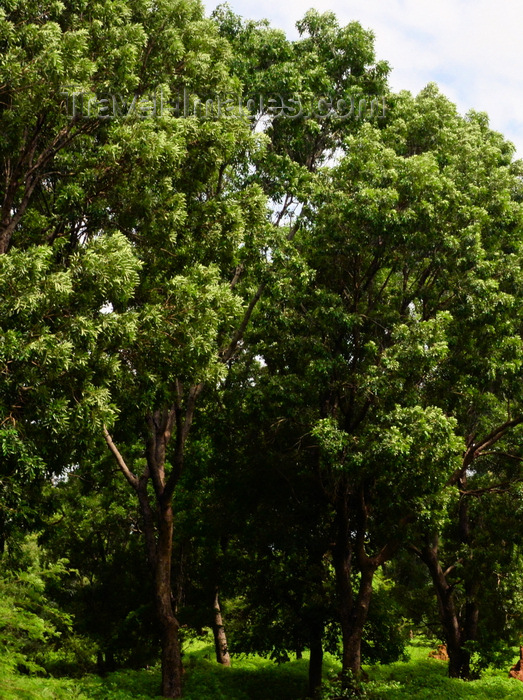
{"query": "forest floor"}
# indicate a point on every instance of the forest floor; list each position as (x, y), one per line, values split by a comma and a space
(254, 678)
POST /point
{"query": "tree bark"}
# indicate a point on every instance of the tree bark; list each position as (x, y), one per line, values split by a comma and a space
(354, 610)
(459, 627)
(158, 527)
(220, 638)
(342, 560)
(448, 613)
(171, 651)
(316, 659)
(351, 660)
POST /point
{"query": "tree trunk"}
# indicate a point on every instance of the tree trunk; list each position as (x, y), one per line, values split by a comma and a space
(471, 612)
(159, 558)
(353, 613)
(351, 659)
(220, 638)
(342, 560)
(448, 613)
(171, 650)
(354, 610)
(458, 628)
(159, 544)
(469, 626)
(316, 659)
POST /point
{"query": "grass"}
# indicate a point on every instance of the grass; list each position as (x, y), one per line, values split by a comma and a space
(422, 678)
(254, 678)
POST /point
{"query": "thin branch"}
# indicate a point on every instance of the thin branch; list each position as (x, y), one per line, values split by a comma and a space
(497, 434)
(476, 449)
(495, 488)
(228, 352)
(237, 275)
(287, 203)
(131, 478)
(500, 453)
(451, 568)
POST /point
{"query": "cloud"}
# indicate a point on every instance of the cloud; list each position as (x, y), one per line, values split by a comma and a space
(471, 48)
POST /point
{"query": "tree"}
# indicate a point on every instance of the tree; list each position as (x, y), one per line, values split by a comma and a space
(73, 179)
(42, 149)
(308, 82)
(392, 241)
(185, 305)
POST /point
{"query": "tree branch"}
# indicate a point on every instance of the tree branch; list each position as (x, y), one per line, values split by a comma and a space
(476, 449)
(131, 478)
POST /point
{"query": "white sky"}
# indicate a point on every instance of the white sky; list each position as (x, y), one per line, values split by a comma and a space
(473, 49)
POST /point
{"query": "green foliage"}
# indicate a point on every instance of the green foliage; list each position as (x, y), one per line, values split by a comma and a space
(258, 679)
(387, 339)
(31, 623)
(53, 336)
(94, 520)
(385, 637)
(424, 678)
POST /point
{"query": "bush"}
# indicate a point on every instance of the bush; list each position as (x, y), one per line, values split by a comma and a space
(35, 634)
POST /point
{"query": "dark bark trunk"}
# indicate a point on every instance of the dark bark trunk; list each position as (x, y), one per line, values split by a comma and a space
(471, 612)
(316, 659)
(471, 618)
(158, 522)
(351, 659)
(220, 638)
(448, 612)
(457, 661)
(354, 611)
(149, 524)
(342, 560)
(171, 658)
(469, 626)
(171, 650)
(159, 557)
(459, 628)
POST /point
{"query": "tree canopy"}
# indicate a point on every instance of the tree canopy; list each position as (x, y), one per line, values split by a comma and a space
(260, 347)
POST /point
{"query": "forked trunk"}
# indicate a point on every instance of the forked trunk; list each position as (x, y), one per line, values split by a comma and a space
(459, 659)
(353, 610)
(159, 539)
(352, 637)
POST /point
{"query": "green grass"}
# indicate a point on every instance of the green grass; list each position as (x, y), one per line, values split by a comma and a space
(422, 678)
(250, 678)
(254, 678)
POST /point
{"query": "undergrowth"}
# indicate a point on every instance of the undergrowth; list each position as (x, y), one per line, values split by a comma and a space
(254, 678)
